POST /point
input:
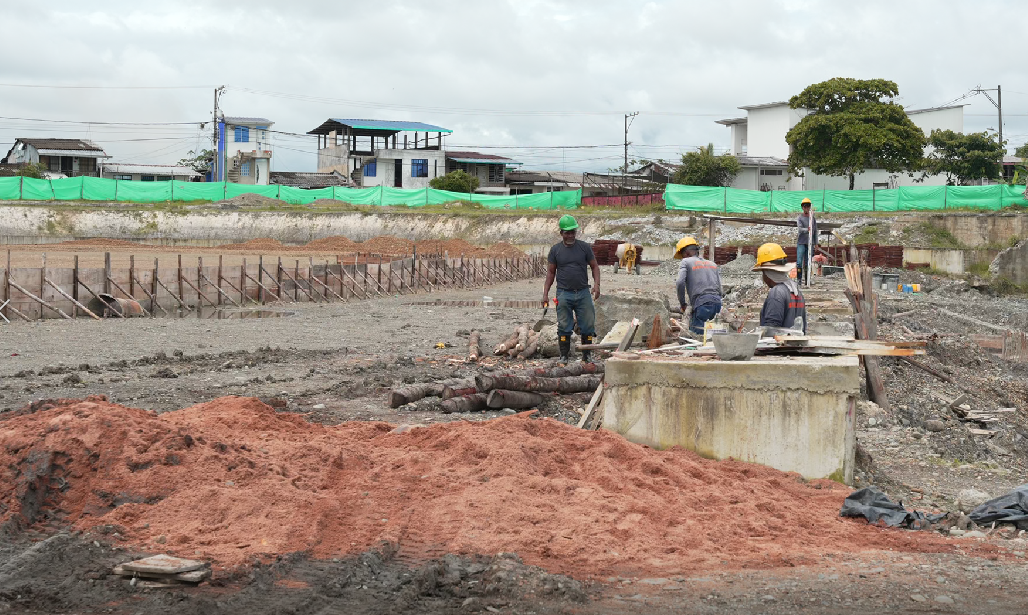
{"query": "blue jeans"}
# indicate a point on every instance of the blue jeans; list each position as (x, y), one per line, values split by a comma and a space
(702, 314)
(579, 303)
(801, 262)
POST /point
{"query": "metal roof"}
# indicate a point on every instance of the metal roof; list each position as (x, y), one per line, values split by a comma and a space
(390, 126)
(237, 119)
(764, 106)
(477, 158)
(930, 109)
(732, 120)
(62, 147)
(761, 161)
(149, 169)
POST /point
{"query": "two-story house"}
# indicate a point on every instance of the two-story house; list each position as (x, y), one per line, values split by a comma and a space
(758, 140)
(244, 150)
(372, 153)
(61, 157)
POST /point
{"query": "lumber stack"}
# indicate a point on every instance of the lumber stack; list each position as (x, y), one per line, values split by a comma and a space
(865, 318)
(164, 571)
(523, 343)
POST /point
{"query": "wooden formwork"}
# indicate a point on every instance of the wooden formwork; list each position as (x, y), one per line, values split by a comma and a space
(161, 286)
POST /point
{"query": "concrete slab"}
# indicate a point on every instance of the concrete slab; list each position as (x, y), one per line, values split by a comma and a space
(792, 413)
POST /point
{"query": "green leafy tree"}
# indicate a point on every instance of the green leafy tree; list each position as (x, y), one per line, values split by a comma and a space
(37, 170)
(963, 157)
(853, 125)
(200, 162)
(455, 181)
(703, 168)
(1022, 152)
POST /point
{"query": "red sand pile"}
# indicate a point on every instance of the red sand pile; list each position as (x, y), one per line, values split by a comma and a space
(387, 244)
(336, 243)
(95, 242)
(232, 478)
(258, 244)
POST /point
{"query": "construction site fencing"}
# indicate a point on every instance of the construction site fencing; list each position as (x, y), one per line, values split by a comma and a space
(116, 190)
(909, 198)
(163, 288)
(626, 200)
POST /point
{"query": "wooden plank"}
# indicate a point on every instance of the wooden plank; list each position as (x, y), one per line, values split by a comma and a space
(593, 402)
(73, 300)
(626, 341)
(42, 302)
(263, 288)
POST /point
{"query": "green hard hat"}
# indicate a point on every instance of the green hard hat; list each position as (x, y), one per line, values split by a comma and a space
(568, 223)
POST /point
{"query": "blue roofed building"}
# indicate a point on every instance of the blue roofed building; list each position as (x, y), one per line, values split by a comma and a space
(394, 154)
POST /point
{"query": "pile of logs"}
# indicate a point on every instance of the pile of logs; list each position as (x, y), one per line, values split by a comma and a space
(503, 390)
(522, 344)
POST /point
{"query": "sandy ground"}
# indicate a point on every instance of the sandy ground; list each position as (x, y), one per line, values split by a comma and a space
(335, 362)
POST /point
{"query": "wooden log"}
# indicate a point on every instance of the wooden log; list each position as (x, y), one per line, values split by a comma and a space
(264, 289)
(506, 345)
(38, 300)
(451, 391)
(221, 292)
(342, 268)
(531, 348)
(564, 386)
(474, 346)
(242, 295)
(327, 288)
(474, 402)
(296, 284)
(181, 304)
(522, 332)
(242, 282)
(414, 392)
(198, 293)
(153, 290)
(153, 300)
(574, 369)
(500, 398)
(72, 299)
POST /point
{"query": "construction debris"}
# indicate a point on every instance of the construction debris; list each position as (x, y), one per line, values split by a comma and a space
(164, 571)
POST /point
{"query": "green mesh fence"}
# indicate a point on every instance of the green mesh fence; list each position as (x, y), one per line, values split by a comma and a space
(734, 201)
(103, 189)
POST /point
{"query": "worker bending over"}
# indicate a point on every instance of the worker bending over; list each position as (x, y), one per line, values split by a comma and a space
(784, 303)
(568, 264)
(698, 280)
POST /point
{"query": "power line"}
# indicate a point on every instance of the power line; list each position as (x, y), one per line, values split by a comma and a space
(106, 87)
(33, 119)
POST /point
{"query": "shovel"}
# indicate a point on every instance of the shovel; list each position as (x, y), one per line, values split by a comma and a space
(542, 322)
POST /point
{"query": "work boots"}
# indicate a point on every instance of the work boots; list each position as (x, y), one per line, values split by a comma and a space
(565, 348)
(587, 355)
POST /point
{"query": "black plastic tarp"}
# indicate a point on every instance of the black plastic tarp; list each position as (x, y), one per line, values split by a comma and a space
(875, 506)
(1009, 508)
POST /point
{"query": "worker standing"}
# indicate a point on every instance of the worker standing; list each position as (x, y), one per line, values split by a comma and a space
(699, 281)
(784, 303)
(569, 261)
(806, 241)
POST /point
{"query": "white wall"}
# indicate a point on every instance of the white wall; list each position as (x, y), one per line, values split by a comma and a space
(384, 172)
(26, 153)
(767, 127)
(739, 139)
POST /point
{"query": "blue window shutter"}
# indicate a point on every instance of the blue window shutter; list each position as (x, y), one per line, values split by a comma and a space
(370, 169)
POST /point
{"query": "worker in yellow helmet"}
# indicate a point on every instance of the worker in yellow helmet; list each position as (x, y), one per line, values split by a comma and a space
(700, 282)
(806, 240)
(784, 305)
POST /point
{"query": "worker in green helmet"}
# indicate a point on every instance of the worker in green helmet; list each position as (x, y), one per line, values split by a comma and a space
(569, 262)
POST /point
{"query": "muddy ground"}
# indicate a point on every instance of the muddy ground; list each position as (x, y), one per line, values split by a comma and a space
(335, 363)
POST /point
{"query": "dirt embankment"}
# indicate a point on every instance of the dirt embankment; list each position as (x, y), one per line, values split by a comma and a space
(233, 480)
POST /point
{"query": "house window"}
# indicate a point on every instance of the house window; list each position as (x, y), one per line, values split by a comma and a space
(146, 178)
(770, 171)
(419, 167)
(242, 134)
(496, 173)
(244, 169)
(122, 176)
(370, 169)
(163, 178)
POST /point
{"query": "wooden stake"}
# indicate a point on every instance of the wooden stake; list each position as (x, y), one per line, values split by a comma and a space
(262, 288)
(181, 289)
(153, 300)
(593, 403)
(220, 278)
(97, 297)
(221, 293)
(118, 286)
(153, 290)
(132, 275)
(260, 280)
(75, 280)
(173, 295)
(242, 282)
(296, 284)
(39, 301)
(72, 299)
(199, 276)
(107, 272)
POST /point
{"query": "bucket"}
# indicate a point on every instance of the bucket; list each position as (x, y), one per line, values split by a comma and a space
(736, 346)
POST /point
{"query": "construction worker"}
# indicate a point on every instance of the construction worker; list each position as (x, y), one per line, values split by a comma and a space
(806, 240)
(698, 280)
(784, 303)
(568, 263)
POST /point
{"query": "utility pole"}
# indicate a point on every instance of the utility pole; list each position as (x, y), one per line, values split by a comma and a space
(998, 103)
(624, 170)
(217, 169)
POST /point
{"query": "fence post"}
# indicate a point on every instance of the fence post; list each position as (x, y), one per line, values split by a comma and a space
(21, 188)
(380, 195)
(823, 192)
(726, 204)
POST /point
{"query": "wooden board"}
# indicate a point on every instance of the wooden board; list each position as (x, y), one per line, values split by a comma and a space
(163, 564)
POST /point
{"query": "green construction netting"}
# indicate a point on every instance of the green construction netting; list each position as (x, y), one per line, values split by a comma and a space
(102, 189)
(731, 200)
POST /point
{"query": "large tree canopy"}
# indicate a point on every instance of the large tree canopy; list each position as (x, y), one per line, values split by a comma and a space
(703, 168)
(455, 181)
(851, 128)
(964, 157)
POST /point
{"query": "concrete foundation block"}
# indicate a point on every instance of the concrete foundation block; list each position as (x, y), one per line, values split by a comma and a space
(629, 304)
(794, 414)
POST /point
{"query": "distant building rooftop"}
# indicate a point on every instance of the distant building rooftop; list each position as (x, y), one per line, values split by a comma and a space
(477, 158)
(375, 126)
(129, 168)
(234, 120)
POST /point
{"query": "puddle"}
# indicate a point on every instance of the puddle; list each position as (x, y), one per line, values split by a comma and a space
(223, 314)
(517, 303)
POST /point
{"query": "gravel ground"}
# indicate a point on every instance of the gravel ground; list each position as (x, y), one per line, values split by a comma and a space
(335, 363)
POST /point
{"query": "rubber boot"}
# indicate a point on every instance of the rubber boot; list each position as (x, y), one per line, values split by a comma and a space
(587, 355)
(565, 348)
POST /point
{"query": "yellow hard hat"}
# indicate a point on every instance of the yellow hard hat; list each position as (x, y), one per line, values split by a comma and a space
(769, 252)
(805, 202)
(683, 243)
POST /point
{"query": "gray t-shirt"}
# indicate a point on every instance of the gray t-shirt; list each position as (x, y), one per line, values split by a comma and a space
(698, 281)
(572, 264)
(802, 222)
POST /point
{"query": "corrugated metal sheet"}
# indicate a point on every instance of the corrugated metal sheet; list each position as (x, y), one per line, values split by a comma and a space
(73, 152)
(390, 125)
(150, 169)
(238, 119)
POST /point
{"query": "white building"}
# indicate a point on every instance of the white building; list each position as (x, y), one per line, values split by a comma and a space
(244, 151)
(126, 171)
(759, 141)
(61, 157)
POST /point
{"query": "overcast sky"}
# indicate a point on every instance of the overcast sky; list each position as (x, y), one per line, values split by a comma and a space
(516, 73)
